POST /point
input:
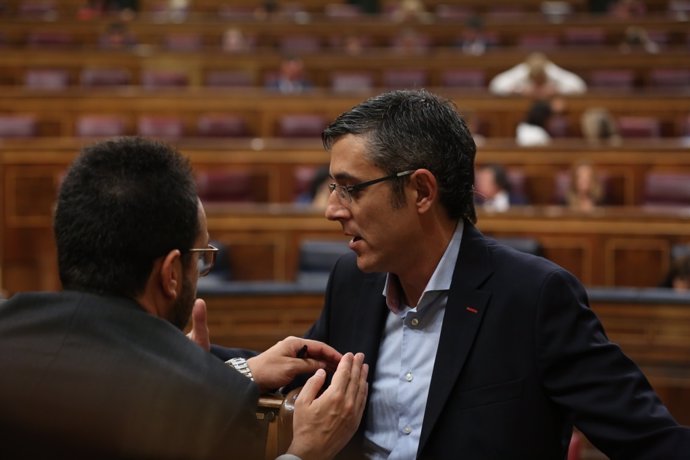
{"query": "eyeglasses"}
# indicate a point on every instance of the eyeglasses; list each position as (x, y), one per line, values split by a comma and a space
(207, 257)
(345, 191)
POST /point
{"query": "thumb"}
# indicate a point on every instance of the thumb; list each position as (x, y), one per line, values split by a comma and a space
(200, 333)
(311, 387)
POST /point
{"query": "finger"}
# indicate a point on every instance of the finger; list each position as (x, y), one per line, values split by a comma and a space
(200, 333)
(311, 388)
(355, 376)
(341, 378)
(320, 350)
(363, 389)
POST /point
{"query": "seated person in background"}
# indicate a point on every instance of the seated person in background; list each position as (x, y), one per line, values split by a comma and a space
(408, 10)
(234, 41)
(599, 127)
(637, 38)
(627, 9)
(291, 77)
(532, 131)
(473, 40)
(678, 277)
(318, 192)
(117, 36)
(102, 370)
(492, 188)
(537, 77)
(585, 190)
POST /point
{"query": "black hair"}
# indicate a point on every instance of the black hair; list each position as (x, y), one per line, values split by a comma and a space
(122, 204)
(412, 129)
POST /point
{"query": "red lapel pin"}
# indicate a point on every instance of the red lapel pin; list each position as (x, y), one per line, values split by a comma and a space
(472, 310)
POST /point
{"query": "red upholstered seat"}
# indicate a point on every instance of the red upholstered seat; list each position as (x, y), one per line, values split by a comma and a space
(301, 125)
(636, 126)
(163, 78)
(405, 78)
(347, 82)
(18, 125)
(222, 125)
(667, 188)
(92, 76)
(160, 126)
(100, 125)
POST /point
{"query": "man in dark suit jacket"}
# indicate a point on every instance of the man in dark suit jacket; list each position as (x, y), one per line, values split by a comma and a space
(103, 369)
(476, 350)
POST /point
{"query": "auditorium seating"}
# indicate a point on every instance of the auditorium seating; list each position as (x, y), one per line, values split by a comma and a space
(17, 125)
(667, 189)
(301, 125)
(161, 126)
(222, 125)
(100, 126)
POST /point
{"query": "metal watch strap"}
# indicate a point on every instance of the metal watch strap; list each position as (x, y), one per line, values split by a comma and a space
(240, 365)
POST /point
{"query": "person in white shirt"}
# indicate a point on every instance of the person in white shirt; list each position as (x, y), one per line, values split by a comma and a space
(532, 131)
(537, 77)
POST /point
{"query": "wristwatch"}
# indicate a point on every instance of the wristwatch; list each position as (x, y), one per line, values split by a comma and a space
(240, 365)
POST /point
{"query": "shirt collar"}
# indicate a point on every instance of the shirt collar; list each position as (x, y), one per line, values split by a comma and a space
(439, 281)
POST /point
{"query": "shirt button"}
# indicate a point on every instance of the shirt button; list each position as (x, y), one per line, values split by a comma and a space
(407, 429)
(408, 376)
(414, 322)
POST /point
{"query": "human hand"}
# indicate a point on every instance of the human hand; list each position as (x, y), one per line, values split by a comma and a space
(323, 425)
(280, 364)
(199, 333)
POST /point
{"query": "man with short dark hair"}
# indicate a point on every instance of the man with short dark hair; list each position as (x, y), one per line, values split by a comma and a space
(103, 369)
(477, 351)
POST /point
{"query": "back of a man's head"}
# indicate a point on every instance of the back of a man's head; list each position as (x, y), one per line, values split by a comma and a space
(122, 204)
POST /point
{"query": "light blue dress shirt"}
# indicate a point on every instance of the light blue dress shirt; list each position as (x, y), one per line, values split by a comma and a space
(407, 354)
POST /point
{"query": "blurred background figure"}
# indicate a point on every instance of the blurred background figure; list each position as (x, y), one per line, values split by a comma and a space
(291, 77)
(317, 194)
(117, 36)
(678, 276)
(599, 127)
(408, 10)
(234, 41)
(492, 188)
(636, 37)
(532, 130)
(627, 9)
(473, 40)
(410, 41)
(585, 191)
(537, 77)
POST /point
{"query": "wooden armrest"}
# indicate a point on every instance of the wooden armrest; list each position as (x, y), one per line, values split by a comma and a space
(276, 411)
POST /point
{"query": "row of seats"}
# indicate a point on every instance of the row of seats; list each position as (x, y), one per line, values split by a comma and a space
(660, 188)
(340, 81)
(168, 126)
(294, 125)
(573, 36)
(444, 9)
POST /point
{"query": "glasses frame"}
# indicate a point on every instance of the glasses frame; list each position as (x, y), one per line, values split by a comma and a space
(345, 191)
(207, 260)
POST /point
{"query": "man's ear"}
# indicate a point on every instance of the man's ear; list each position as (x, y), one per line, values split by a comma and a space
(171, 273)
(426, 189)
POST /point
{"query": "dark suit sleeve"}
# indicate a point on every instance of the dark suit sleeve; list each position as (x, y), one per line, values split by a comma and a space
(610, 399)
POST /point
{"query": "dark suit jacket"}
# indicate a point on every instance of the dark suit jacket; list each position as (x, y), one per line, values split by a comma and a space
(521, 358)
(86, 376)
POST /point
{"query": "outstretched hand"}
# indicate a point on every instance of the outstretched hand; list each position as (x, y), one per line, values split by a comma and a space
(199, 333)
(323, 425)
(280, 364)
